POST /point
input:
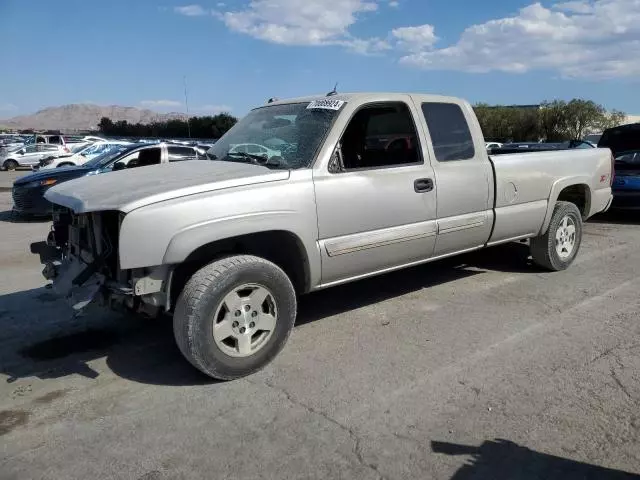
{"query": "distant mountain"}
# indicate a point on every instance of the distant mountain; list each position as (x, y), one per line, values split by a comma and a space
(84, 117)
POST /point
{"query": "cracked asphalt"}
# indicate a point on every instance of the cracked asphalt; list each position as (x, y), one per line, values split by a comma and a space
(480, 366)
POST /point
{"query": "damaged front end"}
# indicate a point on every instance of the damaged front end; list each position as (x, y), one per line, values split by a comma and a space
(80, 257)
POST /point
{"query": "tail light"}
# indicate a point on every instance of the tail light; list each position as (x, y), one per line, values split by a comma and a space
(613, 170)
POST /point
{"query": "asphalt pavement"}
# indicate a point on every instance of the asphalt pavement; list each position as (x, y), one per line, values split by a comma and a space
(7, 179)
(480, 366)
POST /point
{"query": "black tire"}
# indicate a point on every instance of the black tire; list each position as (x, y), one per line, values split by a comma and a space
(10, 165)
(543, 248)
(196, 307)
(66, 164)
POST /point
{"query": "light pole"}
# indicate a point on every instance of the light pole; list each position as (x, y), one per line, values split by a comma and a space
(186, 102)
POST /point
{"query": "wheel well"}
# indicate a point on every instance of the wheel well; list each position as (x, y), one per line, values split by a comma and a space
(579, 195)
(66, 164)
(280, 247)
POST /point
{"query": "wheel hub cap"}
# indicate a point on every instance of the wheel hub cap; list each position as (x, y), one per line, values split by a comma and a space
(245, 320)
(566, 237)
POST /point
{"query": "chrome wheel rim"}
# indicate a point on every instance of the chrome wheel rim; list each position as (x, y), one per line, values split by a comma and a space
(244, 320)
(566, 237)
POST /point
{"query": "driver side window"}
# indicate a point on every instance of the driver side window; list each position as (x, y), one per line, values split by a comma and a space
(380, 135)
(129, 159)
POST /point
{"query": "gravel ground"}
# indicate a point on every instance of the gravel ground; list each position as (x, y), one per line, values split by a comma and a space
(481, 366)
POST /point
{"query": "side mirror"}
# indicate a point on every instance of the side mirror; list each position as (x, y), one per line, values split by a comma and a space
(22, 152)
(119, 166)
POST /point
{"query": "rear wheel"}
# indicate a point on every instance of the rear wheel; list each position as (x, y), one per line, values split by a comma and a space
(234, 316)
(557, 249)
(10, 165)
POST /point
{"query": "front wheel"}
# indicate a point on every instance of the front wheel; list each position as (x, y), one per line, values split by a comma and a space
(10, 165)
(234, 316)
(557, 249)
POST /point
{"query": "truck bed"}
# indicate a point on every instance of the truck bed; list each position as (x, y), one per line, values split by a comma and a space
(525, 183)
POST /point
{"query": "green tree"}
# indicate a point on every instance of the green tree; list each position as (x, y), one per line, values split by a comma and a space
(582, 116)
(105, 125)
(553, 121)
(505, 123)
(201, 127)
(611, 119)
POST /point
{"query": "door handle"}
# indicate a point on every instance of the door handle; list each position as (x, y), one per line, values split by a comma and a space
(423, 185)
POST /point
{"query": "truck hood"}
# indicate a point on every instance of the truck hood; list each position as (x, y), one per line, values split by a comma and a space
(126, 190)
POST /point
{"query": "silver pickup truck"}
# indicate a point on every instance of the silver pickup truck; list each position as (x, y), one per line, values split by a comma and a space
(302, 195)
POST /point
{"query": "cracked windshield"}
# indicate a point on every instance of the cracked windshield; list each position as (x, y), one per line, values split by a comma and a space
(279, 136)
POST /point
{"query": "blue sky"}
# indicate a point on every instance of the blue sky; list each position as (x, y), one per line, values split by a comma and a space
(237, 53)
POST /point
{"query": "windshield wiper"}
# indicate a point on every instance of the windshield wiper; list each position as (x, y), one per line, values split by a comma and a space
(253, 159)
(249, 156)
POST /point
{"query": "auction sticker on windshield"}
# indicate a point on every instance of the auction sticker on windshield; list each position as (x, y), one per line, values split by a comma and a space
(326, 104)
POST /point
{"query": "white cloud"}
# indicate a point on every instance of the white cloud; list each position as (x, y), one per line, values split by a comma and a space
(7, 107)
(309, 22)
(160, 103)
(394, 4)
(597, 39)
(415, 39)
(191, 10)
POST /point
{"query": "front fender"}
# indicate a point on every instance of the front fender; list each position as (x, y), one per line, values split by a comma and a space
(557, 188)
(187, 241)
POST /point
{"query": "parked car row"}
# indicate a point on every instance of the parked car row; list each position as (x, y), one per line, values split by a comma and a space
(28, 191)
(80, 156)
(11, 141)
(52, 151)
(29, 153)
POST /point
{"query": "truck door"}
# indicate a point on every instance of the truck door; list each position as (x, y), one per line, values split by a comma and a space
(463, 175)
(376, 208)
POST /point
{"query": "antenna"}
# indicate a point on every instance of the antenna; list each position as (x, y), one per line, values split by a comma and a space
(334, 91)
(186, 102)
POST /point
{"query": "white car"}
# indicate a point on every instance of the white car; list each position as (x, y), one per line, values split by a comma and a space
(81, 157)
(30, 155)
(255, 149)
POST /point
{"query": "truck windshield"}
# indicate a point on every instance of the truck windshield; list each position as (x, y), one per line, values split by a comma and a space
(283, 137)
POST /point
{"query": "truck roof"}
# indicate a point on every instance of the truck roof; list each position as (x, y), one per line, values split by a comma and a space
(364, 97)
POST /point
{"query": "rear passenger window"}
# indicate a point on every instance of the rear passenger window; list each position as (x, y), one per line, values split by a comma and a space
(449, 131)
(177, 154)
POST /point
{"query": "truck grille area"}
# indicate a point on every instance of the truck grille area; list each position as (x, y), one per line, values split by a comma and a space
(22, 198)
(95, 234)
